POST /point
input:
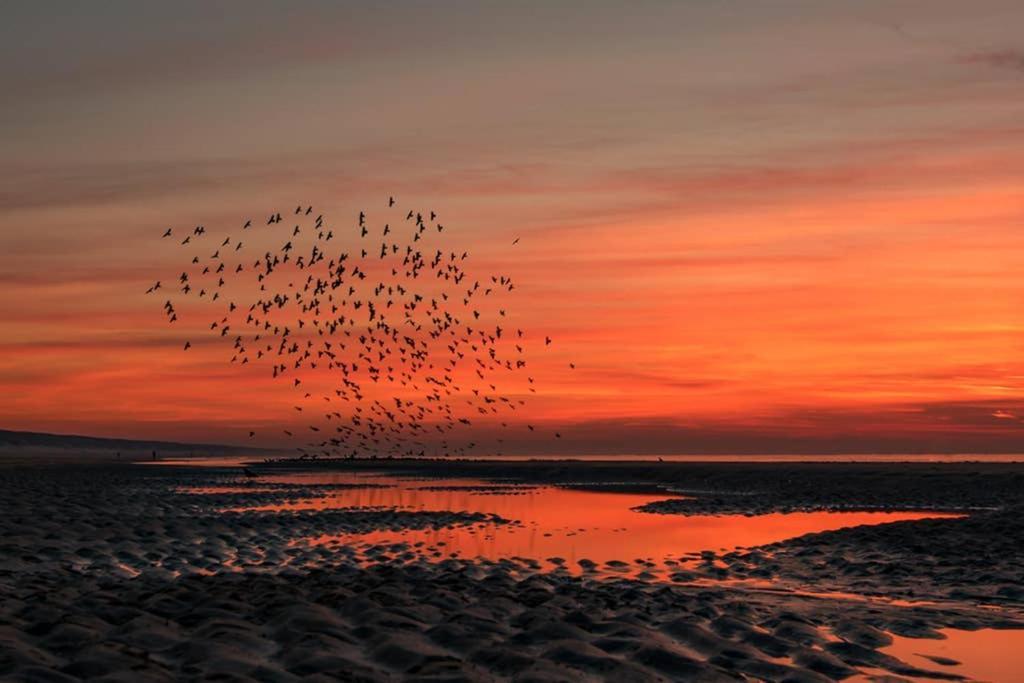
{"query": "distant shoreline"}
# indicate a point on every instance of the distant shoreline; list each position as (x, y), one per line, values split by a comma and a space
(16, 445)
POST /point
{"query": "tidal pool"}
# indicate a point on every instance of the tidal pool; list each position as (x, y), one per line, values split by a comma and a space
(986, 655)
(552, 522)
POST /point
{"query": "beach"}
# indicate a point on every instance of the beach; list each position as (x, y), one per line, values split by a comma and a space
(512, 341)
(165, 572)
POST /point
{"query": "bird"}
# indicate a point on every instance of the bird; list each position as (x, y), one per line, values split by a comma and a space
(168, 233)
(412, 327)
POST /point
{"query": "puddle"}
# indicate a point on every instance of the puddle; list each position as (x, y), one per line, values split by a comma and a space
(571, 524)
(988, 655)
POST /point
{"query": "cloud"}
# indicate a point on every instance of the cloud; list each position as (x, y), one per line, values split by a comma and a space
(942, 427)
(1001, 59)
(112, 182)
(116, 48)
(913, 428)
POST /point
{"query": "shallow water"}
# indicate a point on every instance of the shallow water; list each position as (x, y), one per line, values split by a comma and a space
(551, 522)
(989, 655)
(556, 527)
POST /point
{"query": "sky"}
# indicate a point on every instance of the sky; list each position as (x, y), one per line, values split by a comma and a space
(753, 227)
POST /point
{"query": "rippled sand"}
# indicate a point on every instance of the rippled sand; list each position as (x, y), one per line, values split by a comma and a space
(139, 573)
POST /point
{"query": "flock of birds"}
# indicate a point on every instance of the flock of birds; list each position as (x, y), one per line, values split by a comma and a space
(391, 347)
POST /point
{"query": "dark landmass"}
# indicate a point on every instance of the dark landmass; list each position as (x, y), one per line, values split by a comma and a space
(29, 446)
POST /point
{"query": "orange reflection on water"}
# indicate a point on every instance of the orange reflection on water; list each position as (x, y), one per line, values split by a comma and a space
(992, 655)
(555, 522)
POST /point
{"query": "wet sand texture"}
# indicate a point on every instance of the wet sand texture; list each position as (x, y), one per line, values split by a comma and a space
(113, 573)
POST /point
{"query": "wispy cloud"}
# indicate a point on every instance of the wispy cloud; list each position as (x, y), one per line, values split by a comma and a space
(1012, 59)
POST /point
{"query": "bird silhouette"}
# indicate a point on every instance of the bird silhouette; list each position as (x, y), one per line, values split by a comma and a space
(409, 320)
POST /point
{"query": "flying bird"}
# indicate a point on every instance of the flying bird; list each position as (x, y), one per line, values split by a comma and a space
(405, 321)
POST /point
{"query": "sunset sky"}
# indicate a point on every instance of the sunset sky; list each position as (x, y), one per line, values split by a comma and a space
(753, 226)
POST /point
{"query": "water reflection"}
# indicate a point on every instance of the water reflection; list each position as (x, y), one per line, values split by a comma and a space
(992, 655)
(552, 522)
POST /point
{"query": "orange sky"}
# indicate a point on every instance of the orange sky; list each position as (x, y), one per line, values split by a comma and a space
(787, 228)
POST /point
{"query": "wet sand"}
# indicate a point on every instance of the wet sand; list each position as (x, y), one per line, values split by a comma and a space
(137, 573)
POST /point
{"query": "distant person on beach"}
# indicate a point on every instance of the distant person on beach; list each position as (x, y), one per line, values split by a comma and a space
(154, 455)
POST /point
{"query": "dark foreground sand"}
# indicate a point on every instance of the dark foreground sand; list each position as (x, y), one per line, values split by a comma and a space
(112, 573)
